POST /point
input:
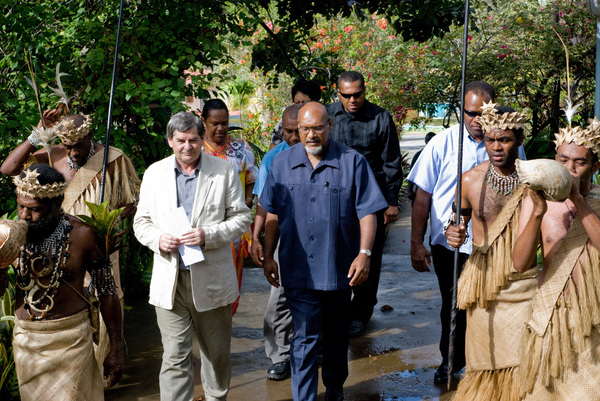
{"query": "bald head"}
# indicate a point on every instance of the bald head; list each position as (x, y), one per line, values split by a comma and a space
(313, 109)
(314, 125)
(77, 119)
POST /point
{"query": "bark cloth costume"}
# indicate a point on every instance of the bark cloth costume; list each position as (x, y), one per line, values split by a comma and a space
(54, 359)
(561, 348)
(496, 297)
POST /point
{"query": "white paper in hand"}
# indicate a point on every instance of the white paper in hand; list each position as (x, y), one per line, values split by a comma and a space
(177, 225)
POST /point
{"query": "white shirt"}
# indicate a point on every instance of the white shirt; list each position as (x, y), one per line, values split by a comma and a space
(435, 173)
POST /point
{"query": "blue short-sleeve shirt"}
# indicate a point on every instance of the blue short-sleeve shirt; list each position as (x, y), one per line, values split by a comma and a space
(265, 166)
(319, 212)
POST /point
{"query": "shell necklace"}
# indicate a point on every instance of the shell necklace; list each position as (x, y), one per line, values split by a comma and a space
(502, 184)
(40, 260)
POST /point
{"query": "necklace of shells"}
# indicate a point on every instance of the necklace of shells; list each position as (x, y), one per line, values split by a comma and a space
(502, 184)
(40, 260)
(75, 166)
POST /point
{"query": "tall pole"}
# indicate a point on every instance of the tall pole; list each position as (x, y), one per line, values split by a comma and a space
(110, 106)
(597, 95)
(461, 131)
(594, 8)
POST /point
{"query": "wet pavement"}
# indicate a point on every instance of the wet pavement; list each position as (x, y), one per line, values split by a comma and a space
(394, 361)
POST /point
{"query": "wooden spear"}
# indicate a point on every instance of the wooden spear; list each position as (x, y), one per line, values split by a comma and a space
(110, 106)
(454, 311)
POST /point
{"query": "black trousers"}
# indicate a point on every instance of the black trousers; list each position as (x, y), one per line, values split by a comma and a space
(443, 263)
(364, 296)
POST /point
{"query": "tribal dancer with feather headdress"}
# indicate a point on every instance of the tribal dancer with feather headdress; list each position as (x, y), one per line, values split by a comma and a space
(561, 348)
(497, 298)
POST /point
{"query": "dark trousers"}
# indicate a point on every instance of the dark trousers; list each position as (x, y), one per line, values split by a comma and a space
(314, 312)
(364, 296)
(443, 263)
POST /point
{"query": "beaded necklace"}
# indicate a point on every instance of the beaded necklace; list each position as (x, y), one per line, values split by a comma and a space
(210, 151)
(502, 184)
(75, 166)
(43, 259)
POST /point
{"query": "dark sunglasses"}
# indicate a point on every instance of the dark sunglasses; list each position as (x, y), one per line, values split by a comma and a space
(356, 95)
(472, 114)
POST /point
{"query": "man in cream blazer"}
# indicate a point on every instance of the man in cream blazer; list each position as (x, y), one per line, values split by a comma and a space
(192, 299)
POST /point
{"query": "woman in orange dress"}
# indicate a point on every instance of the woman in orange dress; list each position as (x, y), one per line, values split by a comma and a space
(217, 142)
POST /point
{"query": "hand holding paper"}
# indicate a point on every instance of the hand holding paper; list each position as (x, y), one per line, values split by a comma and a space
(193, 237)
(190, 238)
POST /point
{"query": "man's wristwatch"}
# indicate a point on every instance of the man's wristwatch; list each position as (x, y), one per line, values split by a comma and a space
(366, 252)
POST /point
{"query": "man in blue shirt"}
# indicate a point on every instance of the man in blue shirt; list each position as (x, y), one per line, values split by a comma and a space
(277, 327)
(321, 201)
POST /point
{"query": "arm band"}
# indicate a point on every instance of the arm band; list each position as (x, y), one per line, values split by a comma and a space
(102, 281)
(463, 211)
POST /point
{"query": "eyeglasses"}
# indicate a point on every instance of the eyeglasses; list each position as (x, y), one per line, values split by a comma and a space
(319, 129)
(473, 114)
(356, 95)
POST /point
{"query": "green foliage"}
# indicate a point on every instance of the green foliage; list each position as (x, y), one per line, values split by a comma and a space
(105, 223)
(160, 43)
(237, 93)
(515, 49)
(9, 389)
(294, 19)
(135, 264)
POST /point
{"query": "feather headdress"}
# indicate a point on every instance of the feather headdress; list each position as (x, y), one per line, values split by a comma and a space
(60, 92)
(588, 137)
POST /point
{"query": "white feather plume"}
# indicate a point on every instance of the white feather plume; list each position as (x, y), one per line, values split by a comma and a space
(46, 136)
(60, 91)
(570, 110)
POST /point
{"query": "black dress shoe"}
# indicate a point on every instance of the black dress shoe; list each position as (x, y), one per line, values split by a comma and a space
(279, 371)
(334, 394)
(441, 375)
(357, 328)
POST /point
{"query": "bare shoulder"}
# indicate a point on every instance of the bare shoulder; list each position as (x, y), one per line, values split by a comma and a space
(476, 174)
(82, 234)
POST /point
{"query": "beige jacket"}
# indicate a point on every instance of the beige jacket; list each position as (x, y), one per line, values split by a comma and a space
(219, 208)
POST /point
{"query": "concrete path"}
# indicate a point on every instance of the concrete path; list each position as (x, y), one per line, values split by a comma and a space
(395, 361)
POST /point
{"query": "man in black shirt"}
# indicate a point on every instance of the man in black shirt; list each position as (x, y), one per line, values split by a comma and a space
(370, 130)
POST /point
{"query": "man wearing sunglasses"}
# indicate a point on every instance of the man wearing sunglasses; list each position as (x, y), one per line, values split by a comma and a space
(435, 176)
(370, 130)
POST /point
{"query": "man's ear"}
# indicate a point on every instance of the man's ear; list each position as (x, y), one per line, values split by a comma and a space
(595, 167)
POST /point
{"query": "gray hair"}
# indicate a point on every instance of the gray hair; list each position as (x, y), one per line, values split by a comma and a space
(184, 121)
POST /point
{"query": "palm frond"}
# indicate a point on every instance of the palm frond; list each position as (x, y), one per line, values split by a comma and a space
(104, 222)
